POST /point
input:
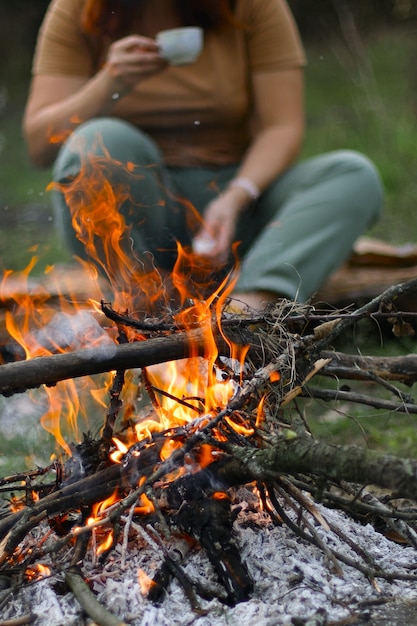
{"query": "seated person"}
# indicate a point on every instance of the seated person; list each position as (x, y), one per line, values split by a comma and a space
(202, 153)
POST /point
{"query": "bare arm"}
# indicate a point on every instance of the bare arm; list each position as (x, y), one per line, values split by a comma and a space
(56, 104)
(279, 111)
(279, 119)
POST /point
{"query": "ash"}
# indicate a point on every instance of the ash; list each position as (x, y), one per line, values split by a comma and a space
(294, 582)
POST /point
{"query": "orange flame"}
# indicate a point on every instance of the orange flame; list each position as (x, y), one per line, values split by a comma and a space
(106, 544)
(100, 508)
(206, 455)
(194, 390)
(37, 572)
(117, 455)
(16, 504)
(145, 582)
(274, 377)
(146, 506)
(100, 226)
(33, 321)
(260, 414)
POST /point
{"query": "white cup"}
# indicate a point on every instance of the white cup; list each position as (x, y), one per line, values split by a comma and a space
(180, 46)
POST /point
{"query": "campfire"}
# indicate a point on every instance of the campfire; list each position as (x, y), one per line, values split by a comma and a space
(174, 416)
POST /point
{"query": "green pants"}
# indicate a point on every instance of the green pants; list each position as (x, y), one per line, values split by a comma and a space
(301, 229)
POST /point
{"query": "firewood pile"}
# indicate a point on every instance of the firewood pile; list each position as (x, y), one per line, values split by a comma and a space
(180, 487)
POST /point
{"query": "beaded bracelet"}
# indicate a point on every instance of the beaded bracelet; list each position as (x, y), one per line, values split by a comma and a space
(248, 186)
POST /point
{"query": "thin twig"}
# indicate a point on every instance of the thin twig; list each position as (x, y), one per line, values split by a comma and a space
(19, 621)
(358, 398)
(89, 602)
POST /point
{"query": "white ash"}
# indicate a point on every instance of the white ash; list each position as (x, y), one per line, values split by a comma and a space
(293, 580)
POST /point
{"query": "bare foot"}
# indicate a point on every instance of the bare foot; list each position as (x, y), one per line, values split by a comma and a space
(253, 300)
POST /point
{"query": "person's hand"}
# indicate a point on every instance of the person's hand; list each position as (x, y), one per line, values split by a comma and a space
(132, 59)
(215, 238)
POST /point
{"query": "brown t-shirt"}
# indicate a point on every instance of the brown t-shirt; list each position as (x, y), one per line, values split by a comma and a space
(198, 113)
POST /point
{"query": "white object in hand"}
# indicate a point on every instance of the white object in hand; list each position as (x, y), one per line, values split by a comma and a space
(203, 245)
(180, 46)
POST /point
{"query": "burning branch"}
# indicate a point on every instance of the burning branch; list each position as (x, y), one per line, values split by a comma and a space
(49, 370)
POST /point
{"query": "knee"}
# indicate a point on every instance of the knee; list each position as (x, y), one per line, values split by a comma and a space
(106, 137)
(363, 181)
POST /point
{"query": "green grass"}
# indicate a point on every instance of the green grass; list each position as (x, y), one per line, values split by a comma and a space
(370, 105)
(25, 212)
(349, 423)
(394, 433)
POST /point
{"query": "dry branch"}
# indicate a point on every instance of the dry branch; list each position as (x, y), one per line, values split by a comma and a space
(48, 370)
(88, 601)
(402, 369)
(84, 492)
(20, 621)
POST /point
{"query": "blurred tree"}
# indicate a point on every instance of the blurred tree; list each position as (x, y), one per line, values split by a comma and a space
(313, 16)
(316, 17)
(18, 30)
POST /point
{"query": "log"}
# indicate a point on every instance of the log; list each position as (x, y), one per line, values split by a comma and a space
(49, 370)
(305, 455)
(290, 455)
(373, 266)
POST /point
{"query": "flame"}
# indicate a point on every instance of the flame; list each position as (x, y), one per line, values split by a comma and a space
(106, 544)
(146, 507)
(100, 508)
(44, 322)
(194, 379)
(16, 504)
(100, 226)
(145, 582)
(242, 428)
(206, 455)
(258, 494)
(260, 414)
(117, 455)
(168, 448)
(37, 572)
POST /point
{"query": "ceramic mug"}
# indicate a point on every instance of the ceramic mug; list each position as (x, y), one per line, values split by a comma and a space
(180, 46)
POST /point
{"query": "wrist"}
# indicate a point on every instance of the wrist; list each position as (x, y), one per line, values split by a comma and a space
(248, 187)
(113, 87)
